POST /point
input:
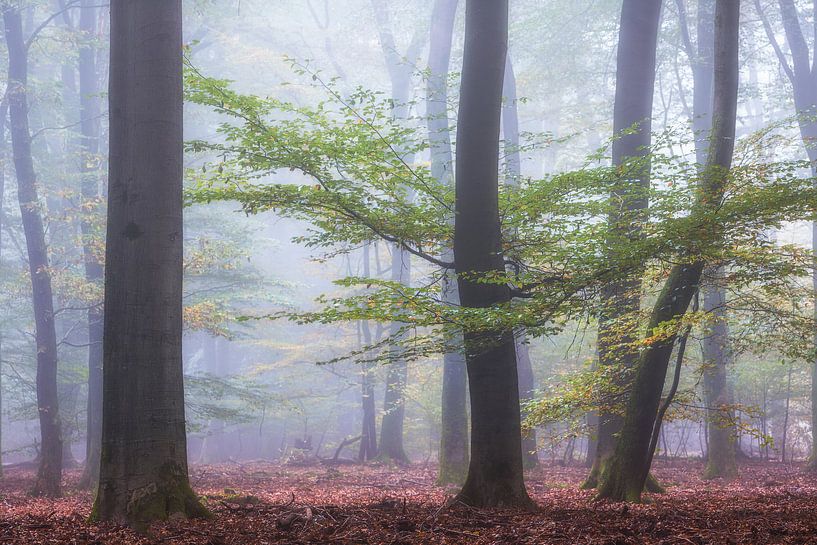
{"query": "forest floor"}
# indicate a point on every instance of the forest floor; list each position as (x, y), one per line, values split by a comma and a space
(267, 503)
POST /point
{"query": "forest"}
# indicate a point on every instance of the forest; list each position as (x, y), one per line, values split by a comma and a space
(431, 271)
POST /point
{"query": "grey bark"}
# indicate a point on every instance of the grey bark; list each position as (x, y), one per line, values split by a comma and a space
(143, 473)
(90, 109)
(513, 164)
(624, 476)
(454, 428)
(495, 473)
(50, 467)
(621, 300)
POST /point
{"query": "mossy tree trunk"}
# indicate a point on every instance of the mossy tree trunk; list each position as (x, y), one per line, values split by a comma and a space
(626, 472)
(495, 472)
(50, 468)
(621, 300)
(454, 416)
(143, 473)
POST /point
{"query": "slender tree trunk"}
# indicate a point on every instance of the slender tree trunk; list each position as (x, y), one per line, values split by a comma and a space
(4, 111)
(495, 473)
(513, 162)
(786, 419)
(143, 473)
(394, 403)
(720, 427)
(90, 111)
(626, 473)
(720, 455)
(620, 301)
(454, 428)
(368, 435)
(400, 74)
(50, 468)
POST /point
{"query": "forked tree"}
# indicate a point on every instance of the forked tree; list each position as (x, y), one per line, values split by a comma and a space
(625, 475)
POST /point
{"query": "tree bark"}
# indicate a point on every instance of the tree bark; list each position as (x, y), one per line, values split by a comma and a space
(400, 73)
(50, 467)
(624, 476)
(513, 163)
(4, 111)
(803, 77)
(454, 426)
(368, 436)
(143, 473)
(495, 473)
(90, 111)
(621, 300)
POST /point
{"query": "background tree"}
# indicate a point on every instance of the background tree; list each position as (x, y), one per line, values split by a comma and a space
(50, 466)
(626, 473)
(453, 408)
(620, 302)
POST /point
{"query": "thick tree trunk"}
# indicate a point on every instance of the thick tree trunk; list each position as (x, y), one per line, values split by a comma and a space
(50, 468)
(89, 167)
(625, 474)
(513, 162)
(495, 473)
(143, 474)
(454, 429)
(620, 301)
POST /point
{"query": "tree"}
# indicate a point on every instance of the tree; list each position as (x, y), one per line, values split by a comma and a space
(632, 127)
(89, 167)
(400, 74)
(626, 472)
(513, 165)
(803, 78)
(50, 467)
(143, 472)
(720, 454)
(495, 473)
(454, 429)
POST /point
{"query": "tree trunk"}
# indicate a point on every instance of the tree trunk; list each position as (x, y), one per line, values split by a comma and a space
(368, 435)
(495, 473)
(4, 110)
(803, 76)
(400, 73)
(90, 111)
(513, 163)
(143, 474)
(394, 403)
(720, 429)
(720, 454)
(620, 300)
(624, 476)
(50, 468)
(454, 427)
